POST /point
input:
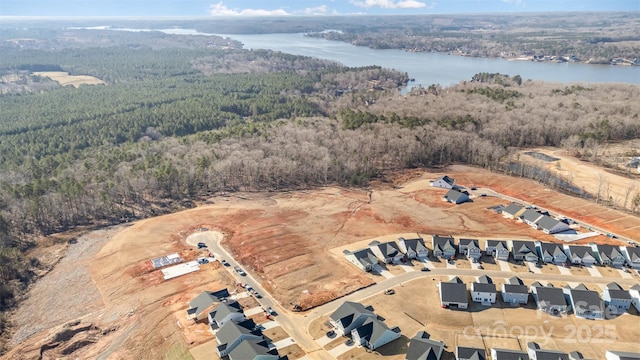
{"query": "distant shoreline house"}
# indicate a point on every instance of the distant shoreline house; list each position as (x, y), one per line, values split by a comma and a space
(444, 182)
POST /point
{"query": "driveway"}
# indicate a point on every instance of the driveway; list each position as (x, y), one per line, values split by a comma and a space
(504, 266)
(340, 349)
(593, 271)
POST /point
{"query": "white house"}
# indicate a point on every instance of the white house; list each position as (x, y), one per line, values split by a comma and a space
(444, 182)
(483, 291)
(374, 333)
(498, 249)
(634, 292)
(470, 248)
(453, 294)
(422, 348)
(224, 312)
(621, 355)
(585, 303)
(413, 248)
(617, 300)
(231, 334)
(609, 255)
(551, 253)
(578, 254)
(513, 211)
(632, 256)
(549, 299)
(364, 259)
(349, 316)
(530, 217)
(515, 292)
(524, 250)
(455, 197)
(536, 353)
(387, 252)
(443, 246)
(508, 354)
(550, 225)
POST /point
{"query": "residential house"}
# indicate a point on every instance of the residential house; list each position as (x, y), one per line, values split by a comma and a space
(224, 312)
(585, 303)
(253, 350)
(200, 307)
(349, 316)
(231, 334)
(617, 300)
(455, 197)
(551, 253)
(578, 254)
(576, 355)
(453, 293)
(387, 252)
(530, 217)
(549, 299)
(507, 354)
(609, 255)
(444, 182)
(498, 249)
(413, 248)
(423, 348)
(470, 248)
(469, 353)
(536, 353)
(632, 257)
(513, 211)
(634, 292)
(364, 259)
(550, 225)
(443, 247)
(483, 290)
(374, 333)
(524, 250)
(621, 355)
(514, 291)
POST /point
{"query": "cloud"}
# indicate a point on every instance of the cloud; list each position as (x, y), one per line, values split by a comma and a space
(220, 9)
(390, 4)
(318, 10)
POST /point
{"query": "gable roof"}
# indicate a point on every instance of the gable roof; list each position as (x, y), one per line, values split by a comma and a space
(453, 291)
(443, 243)
(230, 331)
(498, 244)
(635, 287)
(206, 299)
(515, 281)
(484, 284)
(530, 215)
(523, 247)
(423, 348)
(536, 284)
(447, 179)
(372, 329)
(416, 245)
(388, 249)
(456, 196)
(251, 349)
(625, 355)
(547, 222)
(587, 298)
(223, 309)
(349, 311)
(616, 291)
(609, 252)
(579, 251)
(470, 353)
(507, 354)
(551, 249)
(550, 296)
(544, 354)
(470, 243)
(365, 257)
(634, 254)
(516, 286)
(513, 208)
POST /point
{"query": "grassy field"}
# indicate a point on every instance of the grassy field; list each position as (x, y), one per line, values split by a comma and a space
(64, 79)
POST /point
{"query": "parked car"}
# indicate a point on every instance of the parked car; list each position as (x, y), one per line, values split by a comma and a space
(331, 333)
(389, 292)
(240, 271)
(203, 261)
(201, 245)
(224, 262)
(270, 311)
(425, 269)
(480, 267)
(257, 295)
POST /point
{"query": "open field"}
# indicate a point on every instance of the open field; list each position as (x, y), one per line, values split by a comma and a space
(291, 241)
(64, 79)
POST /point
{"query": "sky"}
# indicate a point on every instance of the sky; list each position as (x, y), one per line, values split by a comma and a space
(230, 8)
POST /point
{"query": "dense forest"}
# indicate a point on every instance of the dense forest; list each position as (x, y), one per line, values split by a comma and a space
(176, 124)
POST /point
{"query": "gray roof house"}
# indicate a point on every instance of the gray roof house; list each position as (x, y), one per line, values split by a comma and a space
(200, 306)
(253, 350)
(470, 248)
(632, 256)
(551, 253)
(453, 293)
(498, 249)
(576, 355)
(455, 197)
(364, 259)
(373, 333)
(621, 355)
(469, 353)
(513, 211)
(585, 303)
(483, 291)
(507, 354)
(530, 217)
(443, 246)
(634, 292)
(413, 248)
(536, 353)
(617, 300)
(350, 315)
(550, 225)
(549, 299)
(524, 250)
(423, 348)
(231, 334)
(444, 182)
(515, 292)
(609, 255)
(224, 312)
(387, 252)
(579, 254)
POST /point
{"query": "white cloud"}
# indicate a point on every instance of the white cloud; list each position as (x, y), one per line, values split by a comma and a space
(220, 9)
(318, 10)
(390, 4)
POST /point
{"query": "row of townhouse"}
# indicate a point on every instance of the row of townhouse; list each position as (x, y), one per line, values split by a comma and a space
(392, 252)
(583, 302)
(238, 338)
(534, 218)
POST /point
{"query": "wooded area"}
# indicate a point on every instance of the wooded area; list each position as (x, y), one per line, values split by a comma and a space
(175, 125)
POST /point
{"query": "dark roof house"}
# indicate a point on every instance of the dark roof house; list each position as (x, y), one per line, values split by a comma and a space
(350, 315)
(469, 353)
(454, 293)
(423, 348)
(200, 306)
(253, 350)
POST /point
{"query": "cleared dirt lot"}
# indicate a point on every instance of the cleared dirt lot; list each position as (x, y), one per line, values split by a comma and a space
(64, 79)
(282, 238)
